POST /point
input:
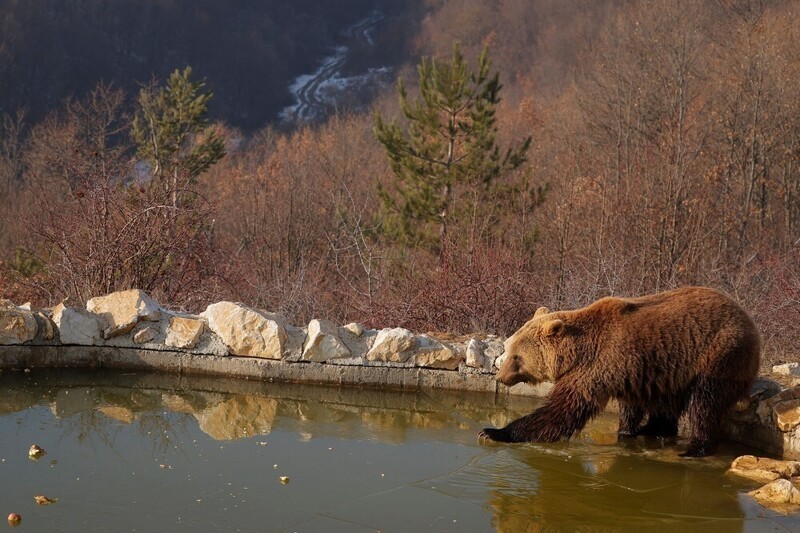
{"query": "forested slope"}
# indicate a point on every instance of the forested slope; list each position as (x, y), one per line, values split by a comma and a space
(665, 152)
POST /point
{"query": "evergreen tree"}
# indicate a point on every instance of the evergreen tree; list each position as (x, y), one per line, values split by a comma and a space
(172, 132)
(449, 141)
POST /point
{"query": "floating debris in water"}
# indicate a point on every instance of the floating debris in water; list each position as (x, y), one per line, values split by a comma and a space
(14, 519)
(262, 443)
(284, 479)
(36, 452)
(44, 500)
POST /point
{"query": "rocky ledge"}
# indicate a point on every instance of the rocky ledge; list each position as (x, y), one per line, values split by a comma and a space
(128, 329)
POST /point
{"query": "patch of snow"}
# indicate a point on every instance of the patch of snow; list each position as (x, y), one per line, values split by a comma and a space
(321, 89)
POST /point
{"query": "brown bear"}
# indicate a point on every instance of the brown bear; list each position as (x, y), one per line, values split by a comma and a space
(691, 350)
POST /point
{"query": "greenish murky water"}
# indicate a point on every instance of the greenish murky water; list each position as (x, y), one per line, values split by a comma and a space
(139, 452)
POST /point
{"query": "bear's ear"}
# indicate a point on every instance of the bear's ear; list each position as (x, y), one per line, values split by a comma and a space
(554, 327)
(541, 311)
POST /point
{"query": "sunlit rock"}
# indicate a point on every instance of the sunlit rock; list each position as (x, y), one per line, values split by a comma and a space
(358, 345)
(145, 335)
(35, 452)
(778, 495)
(788, 369)
(238, 417)
(355, 328)
(122, 310)
(41, 499)
(764, 469)
(475, 356)
(394, 345)
(782, 410)
(184, 332)
(787, 415)
(323, 343)
(16, 325)
(77, 326)
(246, 331)
(434, 354)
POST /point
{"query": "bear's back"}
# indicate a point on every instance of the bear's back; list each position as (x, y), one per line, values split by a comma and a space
(670, 337)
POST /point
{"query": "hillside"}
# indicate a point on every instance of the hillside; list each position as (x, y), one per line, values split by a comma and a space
(248, 50)
(665, 152)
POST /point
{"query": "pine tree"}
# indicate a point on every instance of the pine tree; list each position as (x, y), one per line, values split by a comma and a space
(449, 141)
(172, 132)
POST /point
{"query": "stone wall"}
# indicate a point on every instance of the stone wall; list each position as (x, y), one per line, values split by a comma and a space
(129, 330)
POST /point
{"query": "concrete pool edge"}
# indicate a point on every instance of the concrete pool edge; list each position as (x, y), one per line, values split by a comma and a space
(31, 356)
(746, 424)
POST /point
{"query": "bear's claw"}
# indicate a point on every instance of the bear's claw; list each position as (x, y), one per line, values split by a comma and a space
(492, 435)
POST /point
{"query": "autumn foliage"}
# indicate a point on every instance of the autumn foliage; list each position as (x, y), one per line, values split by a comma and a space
(666, 152)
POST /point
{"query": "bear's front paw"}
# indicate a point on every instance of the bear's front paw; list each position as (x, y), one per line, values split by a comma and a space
(493, 435)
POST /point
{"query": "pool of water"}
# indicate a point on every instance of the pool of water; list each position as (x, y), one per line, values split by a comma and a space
(140, 452)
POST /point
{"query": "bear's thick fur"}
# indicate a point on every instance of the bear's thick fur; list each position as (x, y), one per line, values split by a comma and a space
(691, 350)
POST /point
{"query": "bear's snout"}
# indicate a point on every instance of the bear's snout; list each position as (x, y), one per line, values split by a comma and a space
(510, 372)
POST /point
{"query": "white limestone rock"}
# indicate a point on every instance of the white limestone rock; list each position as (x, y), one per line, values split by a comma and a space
(77, 326)
(498, 362)
(295, 340)
(475, 355)
(247, 331)
(17, 325)
(788, 369)
(122, 310)
(777, 494)
(432, 353)
(764, 469)
(355, 328)
(395, 345)
(184, 332)
(145, 335)
(323, 343)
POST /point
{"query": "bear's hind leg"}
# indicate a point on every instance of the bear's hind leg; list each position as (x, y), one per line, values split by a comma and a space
(711, 399)
(630, 418)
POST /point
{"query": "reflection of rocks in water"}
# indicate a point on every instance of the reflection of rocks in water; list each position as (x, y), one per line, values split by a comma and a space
(190, 402)
(68, 402)
(316, 412)
(177, 403)
(122, 414)
(13, 400)
(501, 419)
(392, 426)
(237, 417)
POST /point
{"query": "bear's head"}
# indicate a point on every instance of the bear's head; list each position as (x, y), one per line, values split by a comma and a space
(533, 353)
